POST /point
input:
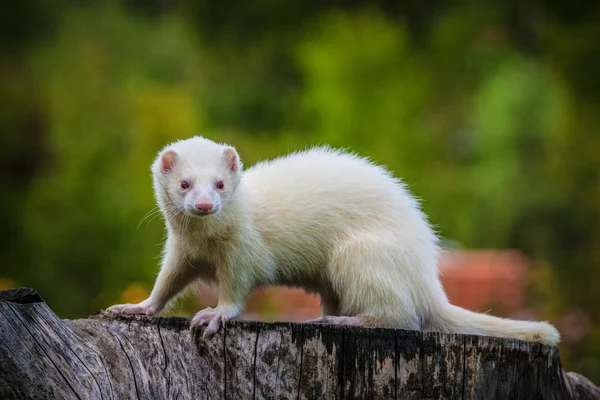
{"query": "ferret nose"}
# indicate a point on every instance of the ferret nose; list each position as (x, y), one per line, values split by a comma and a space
(204, 207)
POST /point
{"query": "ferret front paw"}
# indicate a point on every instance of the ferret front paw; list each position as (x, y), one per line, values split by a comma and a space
(143, 308)
(214, 317)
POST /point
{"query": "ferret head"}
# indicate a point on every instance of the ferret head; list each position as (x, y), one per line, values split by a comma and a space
(196, 176)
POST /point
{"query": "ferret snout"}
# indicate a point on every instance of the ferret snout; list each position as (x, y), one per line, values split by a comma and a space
(204, 206)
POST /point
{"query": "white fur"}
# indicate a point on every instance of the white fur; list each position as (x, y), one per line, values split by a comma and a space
(322, 219)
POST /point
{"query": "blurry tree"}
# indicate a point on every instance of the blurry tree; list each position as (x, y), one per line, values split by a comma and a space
(117, 88)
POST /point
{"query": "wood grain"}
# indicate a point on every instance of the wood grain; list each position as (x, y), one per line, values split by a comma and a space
(107, 356)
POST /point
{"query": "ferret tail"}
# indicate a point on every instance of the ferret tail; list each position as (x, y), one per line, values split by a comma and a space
(453, 319)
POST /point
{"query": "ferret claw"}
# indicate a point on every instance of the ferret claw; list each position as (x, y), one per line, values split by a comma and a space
(140, 309)
(214, 318)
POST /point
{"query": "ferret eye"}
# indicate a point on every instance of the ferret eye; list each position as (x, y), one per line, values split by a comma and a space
(220, 185)
(185, 185)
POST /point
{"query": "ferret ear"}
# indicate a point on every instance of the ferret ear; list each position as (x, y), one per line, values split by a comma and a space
(232, 160)
(167, 161)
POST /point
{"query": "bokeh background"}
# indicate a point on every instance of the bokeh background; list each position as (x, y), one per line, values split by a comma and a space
(488, 110)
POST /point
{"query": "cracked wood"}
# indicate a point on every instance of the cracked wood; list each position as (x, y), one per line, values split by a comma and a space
(113, 357)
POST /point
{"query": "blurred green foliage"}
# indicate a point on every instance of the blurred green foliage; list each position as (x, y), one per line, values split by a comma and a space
(488, 111)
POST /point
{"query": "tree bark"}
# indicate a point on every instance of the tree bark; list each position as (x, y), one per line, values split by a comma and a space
(107, 356)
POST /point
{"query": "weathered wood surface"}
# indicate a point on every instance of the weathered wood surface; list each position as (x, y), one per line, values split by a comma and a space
(116, 357)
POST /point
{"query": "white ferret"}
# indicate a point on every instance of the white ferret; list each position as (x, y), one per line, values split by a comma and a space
(330, 222)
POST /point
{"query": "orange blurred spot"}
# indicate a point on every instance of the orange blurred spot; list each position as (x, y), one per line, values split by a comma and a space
(480, 280)
(134, 293)
(7, 283)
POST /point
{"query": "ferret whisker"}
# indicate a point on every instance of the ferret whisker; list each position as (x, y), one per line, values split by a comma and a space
(152, 218)
(190, 264)
(153, 211)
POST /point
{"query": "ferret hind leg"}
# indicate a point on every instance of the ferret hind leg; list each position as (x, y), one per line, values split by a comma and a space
(369, 277)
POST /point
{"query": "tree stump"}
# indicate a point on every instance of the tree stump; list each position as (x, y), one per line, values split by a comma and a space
(120, 357)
